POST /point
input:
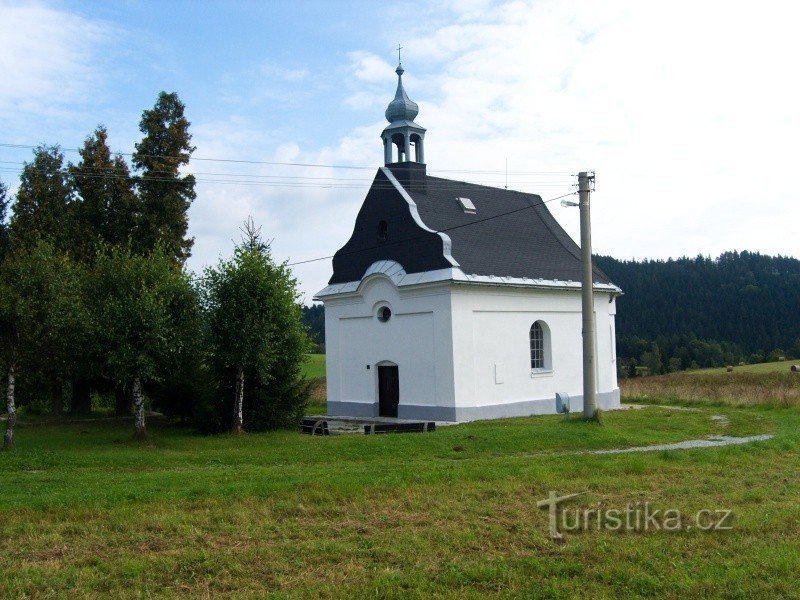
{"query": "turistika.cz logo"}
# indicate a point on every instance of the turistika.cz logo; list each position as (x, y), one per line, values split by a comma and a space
(636, 517)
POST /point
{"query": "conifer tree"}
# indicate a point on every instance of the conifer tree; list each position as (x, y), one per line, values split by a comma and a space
(165, 194)
(43, 205)
(256, 335)
(106, 207)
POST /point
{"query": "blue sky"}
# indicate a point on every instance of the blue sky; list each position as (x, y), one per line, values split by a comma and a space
(688, 112)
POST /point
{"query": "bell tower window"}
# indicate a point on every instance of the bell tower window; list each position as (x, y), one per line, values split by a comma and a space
(402, 132)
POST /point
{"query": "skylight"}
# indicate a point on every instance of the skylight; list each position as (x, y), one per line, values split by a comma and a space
(467, 206)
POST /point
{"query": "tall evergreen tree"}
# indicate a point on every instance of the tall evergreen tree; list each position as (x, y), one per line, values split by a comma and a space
(106, 207)
(165, 195)
(256, 334)
(43, 206)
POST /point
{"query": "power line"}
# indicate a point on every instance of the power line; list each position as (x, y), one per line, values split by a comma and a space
(301, 183)
(125, 173)
(445, 230)
(291, 164)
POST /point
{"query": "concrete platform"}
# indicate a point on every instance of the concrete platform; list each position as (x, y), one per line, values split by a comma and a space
(348, 424)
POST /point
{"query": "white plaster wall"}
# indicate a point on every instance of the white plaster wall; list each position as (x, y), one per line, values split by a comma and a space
(491, 328)
(418, 338)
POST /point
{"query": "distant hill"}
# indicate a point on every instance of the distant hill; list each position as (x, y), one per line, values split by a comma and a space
(744, 298)
(697, 311)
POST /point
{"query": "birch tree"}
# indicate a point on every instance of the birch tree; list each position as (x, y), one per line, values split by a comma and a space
(4, 240)
(252, 312)
(133, 298)
(5, 333)
(43, 327)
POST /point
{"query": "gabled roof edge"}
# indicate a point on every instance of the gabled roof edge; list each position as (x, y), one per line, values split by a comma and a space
(447, 243)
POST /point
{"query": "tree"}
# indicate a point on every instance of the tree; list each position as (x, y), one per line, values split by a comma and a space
(133, 300)
(4, 239)
(741, 298)
(314, 320)
(43, 327)
(165, 195)
(106, 207)
(776, 355)
(187, 380)
(652, 359)
(43, 206)
(256, 334)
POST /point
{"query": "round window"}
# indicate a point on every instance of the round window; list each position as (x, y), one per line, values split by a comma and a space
(384, 314)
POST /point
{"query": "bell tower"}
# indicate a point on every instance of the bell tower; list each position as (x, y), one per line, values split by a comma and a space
(402, 132)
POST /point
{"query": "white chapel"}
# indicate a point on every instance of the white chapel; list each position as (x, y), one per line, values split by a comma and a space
(454, 302)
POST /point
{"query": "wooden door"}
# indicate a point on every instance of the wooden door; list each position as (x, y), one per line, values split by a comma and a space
(388, 390)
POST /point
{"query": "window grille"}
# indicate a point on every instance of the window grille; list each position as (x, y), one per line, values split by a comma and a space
(537, 346)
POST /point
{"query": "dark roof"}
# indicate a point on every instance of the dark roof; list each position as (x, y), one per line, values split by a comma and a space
(529, 243)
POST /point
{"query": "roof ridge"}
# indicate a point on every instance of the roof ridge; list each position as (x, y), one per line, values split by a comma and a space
(486, 187)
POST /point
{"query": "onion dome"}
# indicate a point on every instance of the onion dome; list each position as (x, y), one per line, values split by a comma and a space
(401, 108)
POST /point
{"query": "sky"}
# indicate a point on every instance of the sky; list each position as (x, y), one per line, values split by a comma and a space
(688, 112)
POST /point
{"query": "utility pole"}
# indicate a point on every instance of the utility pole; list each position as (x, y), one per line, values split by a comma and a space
(585, 185)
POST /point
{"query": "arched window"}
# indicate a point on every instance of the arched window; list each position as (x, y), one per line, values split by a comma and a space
(540, 347)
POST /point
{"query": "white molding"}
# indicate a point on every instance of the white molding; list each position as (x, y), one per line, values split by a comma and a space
(412, 207)
(394, 271)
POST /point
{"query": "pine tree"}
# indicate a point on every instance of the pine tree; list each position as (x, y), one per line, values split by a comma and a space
(165, 195)
(106, 208)
(256, 335)
(43, 206)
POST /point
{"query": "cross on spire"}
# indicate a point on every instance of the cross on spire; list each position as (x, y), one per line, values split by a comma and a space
(399, 60)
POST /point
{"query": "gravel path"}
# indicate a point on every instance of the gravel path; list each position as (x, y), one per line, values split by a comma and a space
(721, 440)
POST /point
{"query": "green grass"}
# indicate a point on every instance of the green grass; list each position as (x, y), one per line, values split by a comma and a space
(314, 367)
(770, 367)
(88, 512)
(739, 388)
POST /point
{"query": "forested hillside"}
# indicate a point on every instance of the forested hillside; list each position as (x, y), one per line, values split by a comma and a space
(747, 303)
(686, 312)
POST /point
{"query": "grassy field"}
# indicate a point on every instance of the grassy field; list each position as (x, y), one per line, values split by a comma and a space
(713, 387)
(770, 367)
(87, 512)
(314, 367)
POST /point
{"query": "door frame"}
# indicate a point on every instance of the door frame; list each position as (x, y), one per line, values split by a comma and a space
(385, 363)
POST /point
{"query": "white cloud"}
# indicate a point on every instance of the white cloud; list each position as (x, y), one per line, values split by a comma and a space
(47, 60)
(686, 111)
(370, 68)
